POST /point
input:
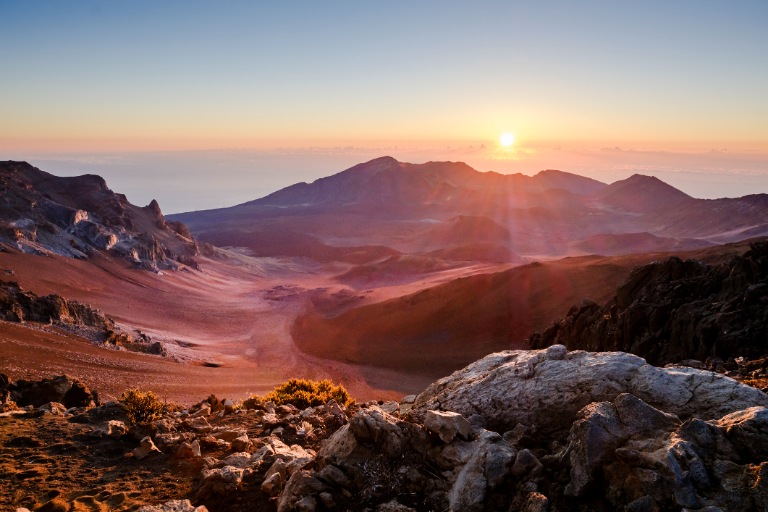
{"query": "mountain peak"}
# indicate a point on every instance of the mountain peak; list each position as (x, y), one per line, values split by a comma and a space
(375, 165)
(552, 178)
(642, 193)
(643, 180)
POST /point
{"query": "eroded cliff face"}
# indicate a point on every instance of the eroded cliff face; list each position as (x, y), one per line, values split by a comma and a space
(79, 216)
(675, 310)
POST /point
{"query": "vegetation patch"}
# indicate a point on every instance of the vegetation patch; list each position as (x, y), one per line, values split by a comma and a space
(304, 393)
(142, 407)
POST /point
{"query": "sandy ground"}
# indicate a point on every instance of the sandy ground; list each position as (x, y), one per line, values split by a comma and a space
(227, 327)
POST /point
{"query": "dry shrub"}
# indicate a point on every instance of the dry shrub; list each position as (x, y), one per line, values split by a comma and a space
(142, 407)
(304, 393)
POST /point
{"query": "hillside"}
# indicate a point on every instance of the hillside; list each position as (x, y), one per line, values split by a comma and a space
(629, 243)
(79, 216)
(676, 309)
(642, 194)
(441, 328)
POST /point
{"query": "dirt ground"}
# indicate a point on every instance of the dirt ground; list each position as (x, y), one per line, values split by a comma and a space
(57, 465)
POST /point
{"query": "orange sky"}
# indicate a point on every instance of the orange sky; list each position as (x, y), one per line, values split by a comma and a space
(195, 75)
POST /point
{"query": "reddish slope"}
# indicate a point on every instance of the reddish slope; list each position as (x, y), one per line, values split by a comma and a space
(439, 330)
(629, 243)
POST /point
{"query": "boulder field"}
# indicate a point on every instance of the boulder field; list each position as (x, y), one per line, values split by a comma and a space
(540, 430)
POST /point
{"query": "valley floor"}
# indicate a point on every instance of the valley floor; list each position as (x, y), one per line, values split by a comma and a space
(226, 328)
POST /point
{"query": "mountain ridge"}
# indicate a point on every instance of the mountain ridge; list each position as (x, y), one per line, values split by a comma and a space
(80, 215)
(546, 214)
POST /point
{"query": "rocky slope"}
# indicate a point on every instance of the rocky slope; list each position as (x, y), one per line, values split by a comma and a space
(17, 305)
(79, 216)
(674, 310)
(531, 431)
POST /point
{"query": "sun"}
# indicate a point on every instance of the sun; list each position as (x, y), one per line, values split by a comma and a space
(507, 139)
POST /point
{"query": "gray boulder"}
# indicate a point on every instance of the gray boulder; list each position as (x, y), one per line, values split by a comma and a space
(547, 388)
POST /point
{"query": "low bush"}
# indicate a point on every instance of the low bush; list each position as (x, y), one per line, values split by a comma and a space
(308, 393)
(142, 407)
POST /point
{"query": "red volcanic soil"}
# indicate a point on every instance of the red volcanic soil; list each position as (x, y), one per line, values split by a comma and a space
(438, 330)
(226, 328)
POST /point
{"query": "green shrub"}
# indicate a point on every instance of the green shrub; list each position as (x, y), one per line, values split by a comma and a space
(142, 407)
(305, 393)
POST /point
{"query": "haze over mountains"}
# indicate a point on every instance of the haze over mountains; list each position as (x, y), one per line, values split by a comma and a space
(419, 208)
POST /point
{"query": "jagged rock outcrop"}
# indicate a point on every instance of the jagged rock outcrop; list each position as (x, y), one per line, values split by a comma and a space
(563, 431)
(17, 305)
(537, 431)
(79, 216)
(676, 310)
(547, 388)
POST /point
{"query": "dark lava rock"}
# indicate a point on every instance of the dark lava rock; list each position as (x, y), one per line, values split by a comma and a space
(674, 310)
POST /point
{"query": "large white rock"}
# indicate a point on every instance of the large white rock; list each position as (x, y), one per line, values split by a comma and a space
(548, 387)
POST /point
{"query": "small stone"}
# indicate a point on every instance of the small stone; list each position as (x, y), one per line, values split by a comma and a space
(146, 448)
(54, 408)
(307, 504)
(334, 408)
(556, 352)
(205, 410)
(447, 425)
(174, 506)
(326, 499)
(198, 424)
(272, 484)
(228, 435)
(241, 444)
(390, 408)
(270, 419)
(164, 426)
(536, 502)
(189, 450)
(526, 463)
(115, 428)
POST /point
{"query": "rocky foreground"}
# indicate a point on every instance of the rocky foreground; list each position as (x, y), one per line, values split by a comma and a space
(518, 430)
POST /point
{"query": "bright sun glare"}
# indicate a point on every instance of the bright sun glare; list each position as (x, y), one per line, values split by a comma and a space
(507, 139)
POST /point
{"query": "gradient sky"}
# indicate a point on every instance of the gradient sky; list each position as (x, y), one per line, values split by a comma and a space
(105, 79)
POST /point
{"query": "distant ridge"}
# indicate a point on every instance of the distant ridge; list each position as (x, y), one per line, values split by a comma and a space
(403, 206)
